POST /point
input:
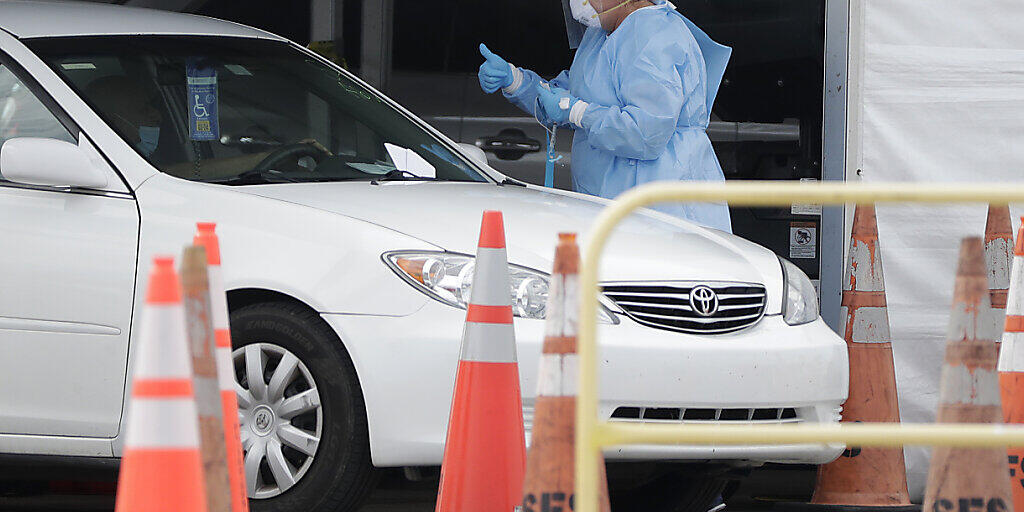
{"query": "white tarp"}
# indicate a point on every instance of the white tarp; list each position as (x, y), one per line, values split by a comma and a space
(937, 94)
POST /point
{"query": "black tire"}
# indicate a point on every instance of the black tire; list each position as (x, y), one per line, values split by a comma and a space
(669, 491)
(341, 474)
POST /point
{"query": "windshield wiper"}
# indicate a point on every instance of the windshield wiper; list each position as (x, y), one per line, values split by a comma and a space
(514, 183)
(399, 175)
(255, 177)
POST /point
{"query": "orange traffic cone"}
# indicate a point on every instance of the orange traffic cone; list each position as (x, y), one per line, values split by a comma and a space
(998, 254)
(1011, 366)
(485, 452)
(551, 462)
(161, 470)
(866, 478)
(969, 479)
(199, 328)
(206, 236)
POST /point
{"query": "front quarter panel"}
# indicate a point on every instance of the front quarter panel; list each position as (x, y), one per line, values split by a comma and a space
(329, 261)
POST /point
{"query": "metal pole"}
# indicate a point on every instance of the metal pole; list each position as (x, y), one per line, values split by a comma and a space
(378, 20)
(833, 218)
(326, 22)
(592, 434)
(855, 434)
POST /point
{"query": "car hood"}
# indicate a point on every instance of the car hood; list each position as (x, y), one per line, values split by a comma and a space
(647, 246)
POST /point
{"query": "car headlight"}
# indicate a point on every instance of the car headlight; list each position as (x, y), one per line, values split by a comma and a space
(801, 300)
(447, 277)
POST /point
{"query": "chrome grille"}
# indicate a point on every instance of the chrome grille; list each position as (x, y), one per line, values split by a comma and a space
(701, 415)
(668, 305)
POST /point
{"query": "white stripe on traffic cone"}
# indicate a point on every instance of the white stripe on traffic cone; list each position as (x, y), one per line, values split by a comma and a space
(161, 469)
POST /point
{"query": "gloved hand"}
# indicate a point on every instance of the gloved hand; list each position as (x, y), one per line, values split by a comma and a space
(495, 73)
(556, 104)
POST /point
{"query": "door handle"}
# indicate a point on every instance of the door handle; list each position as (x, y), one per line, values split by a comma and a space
(509, 144)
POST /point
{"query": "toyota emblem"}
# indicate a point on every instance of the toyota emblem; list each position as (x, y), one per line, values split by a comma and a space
(262, 420)
(704, 300)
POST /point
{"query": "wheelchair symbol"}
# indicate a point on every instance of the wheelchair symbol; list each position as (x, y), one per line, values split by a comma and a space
(198, 109)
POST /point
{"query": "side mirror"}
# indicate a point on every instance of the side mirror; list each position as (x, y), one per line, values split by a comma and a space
(49, 162)
(474, 153)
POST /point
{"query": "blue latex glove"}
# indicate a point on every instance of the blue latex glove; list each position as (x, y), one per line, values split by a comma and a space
(551, 102)
(495, 73)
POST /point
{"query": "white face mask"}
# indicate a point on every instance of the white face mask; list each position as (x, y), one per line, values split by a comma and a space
(584, 13)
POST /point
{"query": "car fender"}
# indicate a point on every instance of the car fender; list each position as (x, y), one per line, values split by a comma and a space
(330, 262)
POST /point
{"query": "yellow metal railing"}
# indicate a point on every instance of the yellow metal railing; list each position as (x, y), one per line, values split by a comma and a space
(592, 434)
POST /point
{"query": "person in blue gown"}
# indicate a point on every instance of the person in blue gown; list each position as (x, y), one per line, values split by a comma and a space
(638, 95)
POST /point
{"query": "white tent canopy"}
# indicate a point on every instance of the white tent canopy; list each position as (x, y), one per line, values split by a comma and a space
(936, 94)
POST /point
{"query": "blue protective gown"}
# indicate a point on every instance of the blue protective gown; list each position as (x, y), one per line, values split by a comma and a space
(646, 84)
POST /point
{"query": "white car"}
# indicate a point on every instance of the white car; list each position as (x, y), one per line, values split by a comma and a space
(121, 128)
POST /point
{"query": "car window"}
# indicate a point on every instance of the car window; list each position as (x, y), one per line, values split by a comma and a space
(23, 115)
(245, 111)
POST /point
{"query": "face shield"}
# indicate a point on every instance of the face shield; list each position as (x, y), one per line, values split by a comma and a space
(716, 56)
(573, 29)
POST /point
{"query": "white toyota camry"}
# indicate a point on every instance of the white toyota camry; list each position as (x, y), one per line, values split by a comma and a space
(348, 228)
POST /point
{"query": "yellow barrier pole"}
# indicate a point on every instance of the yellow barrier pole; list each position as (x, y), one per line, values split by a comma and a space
(587, 470)
(750, 193)
(981, 435)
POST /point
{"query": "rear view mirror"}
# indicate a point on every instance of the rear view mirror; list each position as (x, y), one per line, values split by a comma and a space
(49, 162)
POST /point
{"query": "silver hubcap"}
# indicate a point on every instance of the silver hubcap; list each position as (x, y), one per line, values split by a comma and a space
(280, 415)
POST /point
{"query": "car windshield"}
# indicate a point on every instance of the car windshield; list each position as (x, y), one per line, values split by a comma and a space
(246, 111)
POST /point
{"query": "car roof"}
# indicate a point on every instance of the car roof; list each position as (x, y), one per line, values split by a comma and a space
(28, 19)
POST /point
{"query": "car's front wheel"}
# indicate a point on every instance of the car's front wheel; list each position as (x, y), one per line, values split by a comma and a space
(303, 422)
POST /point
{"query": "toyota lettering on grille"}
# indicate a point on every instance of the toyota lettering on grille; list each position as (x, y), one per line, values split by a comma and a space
(704, 301)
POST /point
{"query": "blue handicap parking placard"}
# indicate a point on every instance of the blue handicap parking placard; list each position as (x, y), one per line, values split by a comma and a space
(202, 101)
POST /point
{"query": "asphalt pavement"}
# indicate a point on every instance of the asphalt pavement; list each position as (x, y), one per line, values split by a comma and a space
(92, 491)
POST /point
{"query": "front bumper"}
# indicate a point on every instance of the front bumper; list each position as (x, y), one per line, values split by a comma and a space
(406, 367)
